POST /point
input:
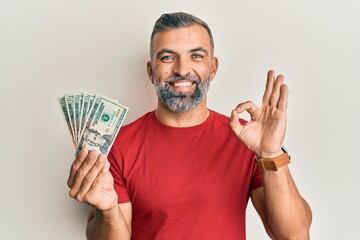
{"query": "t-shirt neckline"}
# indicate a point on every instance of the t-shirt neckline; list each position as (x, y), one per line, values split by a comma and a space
(182, 130)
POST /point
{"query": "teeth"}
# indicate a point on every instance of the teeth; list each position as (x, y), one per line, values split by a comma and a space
(182, 84)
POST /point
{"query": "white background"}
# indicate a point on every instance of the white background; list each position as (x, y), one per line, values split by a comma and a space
(49, 48)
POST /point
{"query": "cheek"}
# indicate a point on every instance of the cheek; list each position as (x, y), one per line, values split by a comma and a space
(162, 72)
(204, 71)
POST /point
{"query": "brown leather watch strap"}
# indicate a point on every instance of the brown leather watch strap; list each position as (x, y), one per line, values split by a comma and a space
(273, 164)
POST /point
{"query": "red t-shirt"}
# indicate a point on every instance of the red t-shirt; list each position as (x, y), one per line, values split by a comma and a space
(184, 183)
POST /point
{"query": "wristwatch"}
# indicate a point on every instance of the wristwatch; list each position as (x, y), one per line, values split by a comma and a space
(273, 164)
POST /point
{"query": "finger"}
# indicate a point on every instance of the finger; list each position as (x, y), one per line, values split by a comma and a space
(284, 92)
(248, 106)
(97, 183)
(235, 123)
(275, 95)
(91, 177)
(82, 172)
(269, 88)
(80, 157)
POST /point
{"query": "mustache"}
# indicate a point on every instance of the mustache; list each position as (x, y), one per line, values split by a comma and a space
(182, 78)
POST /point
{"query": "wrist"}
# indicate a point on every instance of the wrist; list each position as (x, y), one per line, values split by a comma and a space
(274, 154)
(267, 155)
(273, 162)
(108, 213)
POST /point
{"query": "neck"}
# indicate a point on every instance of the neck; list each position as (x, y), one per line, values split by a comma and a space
(182, 119)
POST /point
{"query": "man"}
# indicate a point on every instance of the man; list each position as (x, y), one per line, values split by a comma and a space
(180, 172)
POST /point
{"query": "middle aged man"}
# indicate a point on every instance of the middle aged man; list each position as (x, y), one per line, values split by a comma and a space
(180, 172)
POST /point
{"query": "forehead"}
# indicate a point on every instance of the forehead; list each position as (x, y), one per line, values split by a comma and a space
(183, 38)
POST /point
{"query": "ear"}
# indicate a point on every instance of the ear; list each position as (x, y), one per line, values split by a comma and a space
(214, 67)
(149, 71)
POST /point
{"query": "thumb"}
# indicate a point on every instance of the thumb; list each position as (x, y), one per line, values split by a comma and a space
(235, 123)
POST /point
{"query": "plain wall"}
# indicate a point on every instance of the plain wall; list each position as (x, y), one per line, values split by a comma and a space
(49, 48)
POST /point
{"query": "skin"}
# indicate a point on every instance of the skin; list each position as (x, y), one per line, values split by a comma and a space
(182, 52)
(285, 214)
(187, 52)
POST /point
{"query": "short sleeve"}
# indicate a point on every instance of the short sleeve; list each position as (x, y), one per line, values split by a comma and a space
(119, 181)
(256, 179)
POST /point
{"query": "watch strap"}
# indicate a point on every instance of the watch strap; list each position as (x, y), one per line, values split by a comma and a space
(273, 164)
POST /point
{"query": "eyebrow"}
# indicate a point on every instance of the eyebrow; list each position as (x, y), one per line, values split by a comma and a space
(164, 51)
(198, 49)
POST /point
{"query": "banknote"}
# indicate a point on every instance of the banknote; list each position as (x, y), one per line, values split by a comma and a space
(103, 125)
(77, 110)
(84, 109)
(66, 116)
(92, 120)
(69, 99)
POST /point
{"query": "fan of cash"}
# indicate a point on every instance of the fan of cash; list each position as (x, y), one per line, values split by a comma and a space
(92, 120)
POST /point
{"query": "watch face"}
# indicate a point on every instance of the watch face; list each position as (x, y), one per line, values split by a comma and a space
(284, 149)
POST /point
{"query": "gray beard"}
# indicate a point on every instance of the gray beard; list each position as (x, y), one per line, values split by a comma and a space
(178, 101)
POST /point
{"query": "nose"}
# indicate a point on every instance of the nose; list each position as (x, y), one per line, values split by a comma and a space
(182, 67)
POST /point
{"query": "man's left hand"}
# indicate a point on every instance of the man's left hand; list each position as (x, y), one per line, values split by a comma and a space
(265, 132)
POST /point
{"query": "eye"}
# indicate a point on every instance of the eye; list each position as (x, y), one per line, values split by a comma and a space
(197, 56)
(167, 58)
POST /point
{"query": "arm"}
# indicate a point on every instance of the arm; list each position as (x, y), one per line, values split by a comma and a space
(283, 211)
(110, 224)
(285, 214)
(91, 182)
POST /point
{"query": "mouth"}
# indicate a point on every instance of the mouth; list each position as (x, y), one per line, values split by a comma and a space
(182, 85)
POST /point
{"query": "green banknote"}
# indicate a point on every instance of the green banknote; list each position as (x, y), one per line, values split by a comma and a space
(92, 120)
(64, 109)
(69, 100)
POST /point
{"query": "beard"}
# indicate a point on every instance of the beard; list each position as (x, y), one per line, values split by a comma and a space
(182, 101)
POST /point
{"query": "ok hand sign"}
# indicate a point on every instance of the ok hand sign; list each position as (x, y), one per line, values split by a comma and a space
(265, 132)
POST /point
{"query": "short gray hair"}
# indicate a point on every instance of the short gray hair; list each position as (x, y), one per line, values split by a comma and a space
(177, 20)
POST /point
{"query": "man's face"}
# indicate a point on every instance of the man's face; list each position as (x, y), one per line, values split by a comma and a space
(182, 66)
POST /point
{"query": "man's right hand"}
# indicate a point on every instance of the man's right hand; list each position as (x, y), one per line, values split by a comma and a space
(91, 182)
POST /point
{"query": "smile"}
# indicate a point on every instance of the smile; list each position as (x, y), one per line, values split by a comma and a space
(181, 84)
